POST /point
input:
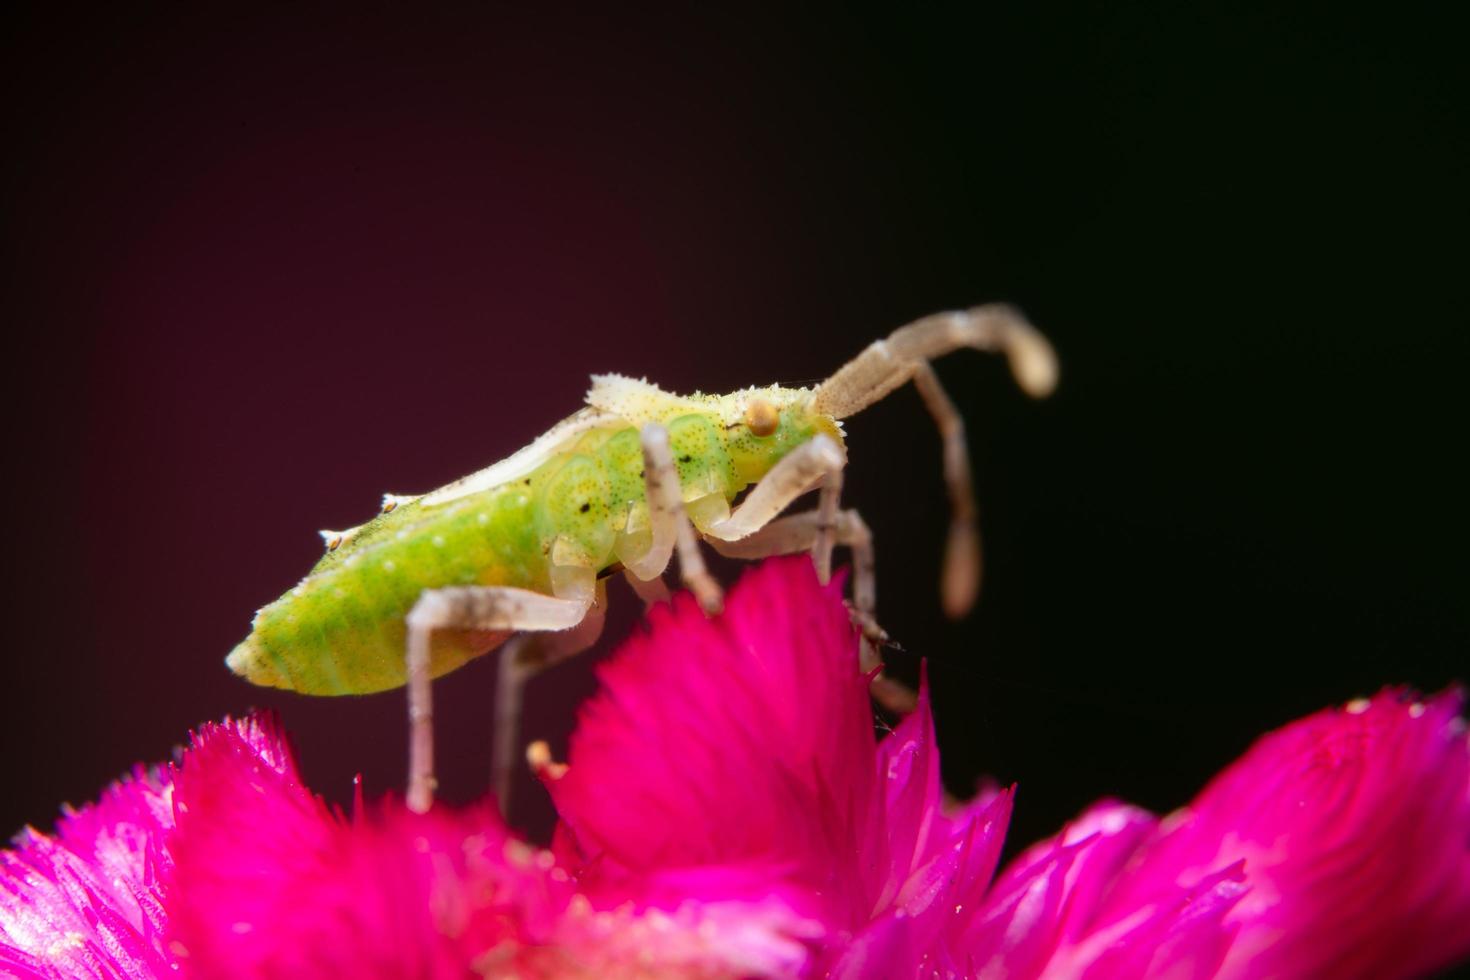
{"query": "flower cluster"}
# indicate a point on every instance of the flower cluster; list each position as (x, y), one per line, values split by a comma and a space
(727, 812)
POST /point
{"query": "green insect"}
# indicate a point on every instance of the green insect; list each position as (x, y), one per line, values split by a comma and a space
(519, 549)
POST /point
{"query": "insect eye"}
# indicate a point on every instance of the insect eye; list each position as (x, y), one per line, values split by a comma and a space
(762, 417)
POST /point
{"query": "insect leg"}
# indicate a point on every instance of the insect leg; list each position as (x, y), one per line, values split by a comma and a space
(525, 656)
(472, 608)
(669, 523)
(651, 591)
(665, 503)
(827, 501)
(798, 471)
(799, 532)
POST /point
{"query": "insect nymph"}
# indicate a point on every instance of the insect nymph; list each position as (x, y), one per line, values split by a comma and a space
(516, 550)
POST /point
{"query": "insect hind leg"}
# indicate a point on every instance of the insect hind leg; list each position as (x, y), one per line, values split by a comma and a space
(521, 659)
(652, 591)
(473, 608)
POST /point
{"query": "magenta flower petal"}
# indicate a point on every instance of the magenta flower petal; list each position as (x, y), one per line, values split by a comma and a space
(269, 882)
(940, 865)
(728, 812)
(908, 765)
(745, 739)
(1045, 914)
(923, 932)
(1354, 828)
(1186, 937)
(85, 902)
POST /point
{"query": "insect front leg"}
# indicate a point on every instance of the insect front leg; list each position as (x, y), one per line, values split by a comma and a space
(904, 356)
(799, 471)
(802, 532)
(473, 607)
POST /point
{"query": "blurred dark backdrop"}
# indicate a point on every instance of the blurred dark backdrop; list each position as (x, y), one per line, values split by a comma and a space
(262, 267)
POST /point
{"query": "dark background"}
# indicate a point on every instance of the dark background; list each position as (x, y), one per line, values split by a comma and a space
(263, 267)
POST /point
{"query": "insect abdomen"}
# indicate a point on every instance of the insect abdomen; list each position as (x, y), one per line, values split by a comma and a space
(341, 630)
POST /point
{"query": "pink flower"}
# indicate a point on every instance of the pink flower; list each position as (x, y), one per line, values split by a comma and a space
(748, 741)
(726, 811)
(268, 883)
(86, 903)
(1338, 846)
(227, 866)
(1350, 830)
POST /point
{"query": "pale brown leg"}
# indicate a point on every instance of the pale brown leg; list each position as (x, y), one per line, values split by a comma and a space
(487, 608)
(959, 582)
(651, 591)
(800, 532)
(799, 471)
(670, 524)
(826, 521)
(521, 659)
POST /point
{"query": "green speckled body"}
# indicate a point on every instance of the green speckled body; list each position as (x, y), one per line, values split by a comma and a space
(341, 629)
